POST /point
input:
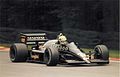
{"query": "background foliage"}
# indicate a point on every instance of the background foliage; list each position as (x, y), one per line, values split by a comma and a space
(88, 22)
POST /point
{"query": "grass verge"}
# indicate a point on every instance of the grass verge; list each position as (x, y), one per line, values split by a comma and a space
(5, 45)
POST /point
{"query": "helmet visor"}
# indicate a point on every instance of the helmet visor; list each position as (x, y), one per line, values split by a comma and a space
(63, 42)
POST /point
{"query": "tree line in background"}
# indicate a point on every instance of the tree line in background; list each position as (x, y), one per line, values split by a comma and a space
(59, 15)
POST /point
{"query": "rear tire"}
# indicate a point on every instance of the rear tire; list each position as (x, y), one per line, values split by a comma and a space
(51, 56)
(101, 52)
(18, 52)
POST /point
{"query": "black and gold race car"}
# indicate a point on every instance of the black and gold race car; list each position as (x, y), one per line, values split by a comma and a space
(35, 47)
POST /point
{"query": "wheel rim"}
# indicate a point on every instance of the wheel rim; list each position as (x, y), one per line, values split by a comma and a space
(97, 52)
(12, 53)
(47, 56)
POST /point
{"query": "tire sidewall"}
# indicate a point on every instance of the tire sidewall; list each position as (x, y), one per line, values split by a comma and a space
(52, 56)
(103, 51)
(20, 52)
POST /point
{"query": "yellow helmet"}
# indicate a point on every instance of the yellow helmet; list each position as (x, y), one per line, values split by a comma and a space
(62, 39)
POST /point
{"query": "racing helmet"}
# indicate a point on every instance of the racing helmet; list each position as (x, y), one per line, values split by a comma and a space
(62, 39)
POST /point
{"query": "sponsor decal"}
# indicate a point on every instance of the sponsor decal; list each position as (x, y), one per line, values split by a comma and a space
(35, 38)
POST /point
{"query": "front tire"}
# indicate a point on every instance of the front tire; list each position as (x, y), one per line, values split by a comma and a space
(18, 52)
(101, 52)
(51, 56)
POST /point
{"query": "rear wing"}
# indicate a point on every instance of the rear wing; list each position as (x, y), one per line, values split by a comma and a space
(33, 38)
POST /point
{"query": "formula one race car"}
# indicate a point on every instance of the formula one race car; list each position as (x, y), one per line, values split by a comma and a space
(37, 47)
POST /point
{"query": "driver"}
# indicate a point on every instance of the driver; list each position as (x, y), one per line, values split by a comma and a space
(62, 41)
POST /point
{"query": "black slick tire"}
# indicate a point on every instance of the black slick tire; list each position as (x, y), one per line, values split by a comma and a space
(18, 52)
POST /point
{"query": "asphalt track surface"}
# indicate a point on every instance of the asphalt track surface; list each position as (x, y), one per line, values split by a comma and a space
(26, 69)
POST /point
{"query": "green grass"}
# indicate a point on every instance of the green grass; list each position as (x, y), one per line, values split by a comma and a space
(5, 45)
(112, 53)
